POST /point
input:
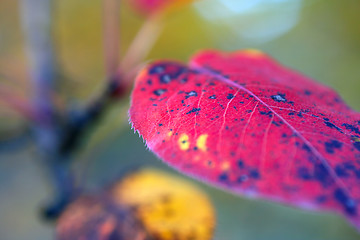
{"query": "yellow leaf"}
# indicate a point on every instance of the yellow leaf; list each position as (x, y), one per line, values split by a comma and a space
(167, 206)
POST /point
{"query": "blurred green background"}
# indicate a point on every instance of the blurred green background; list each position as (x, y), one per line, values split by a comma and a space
(320, 38)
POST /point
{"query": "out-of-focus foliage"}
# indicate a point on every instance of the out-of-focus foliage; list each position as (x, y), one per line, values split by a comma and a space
(87, 218)
(93, 217)
(167, 206)
(149, 7)
(147, 204)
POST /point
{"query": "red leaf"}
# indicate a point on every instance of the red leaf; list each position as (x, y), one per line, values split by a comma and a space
(155, 6)
(243, 122)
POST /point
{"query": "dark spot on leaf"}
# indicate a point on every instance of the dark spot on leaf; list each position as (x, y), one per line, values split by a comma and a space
(268, 113)
(306, 147)
(191, 94)
(351, 128)
(156, 69)
(357, 145)
(230, 96)
(357, 173)
(194, 110)
(277, 123)
(279, 97)
(160, 124)
(307, 92)
(165, 78)
(223, 177)
(159, 92)
(254, 174)
(322, 175)
(180, 70)
(183, 80)
(331, 125)
(349, 165)
(341, 171)
(149, 81)
(332, 145)
(348, 204)
(240, 164)
(242, 178)
(304, 173)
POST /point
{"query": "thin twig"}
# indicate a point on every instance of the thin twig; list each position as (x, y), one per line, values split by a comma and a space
(84, 118)
(142, 43)
(111, 13)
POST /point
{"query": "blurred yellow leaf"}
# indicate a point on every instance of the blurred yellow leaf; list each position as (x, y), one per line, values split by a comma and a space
(167, 206)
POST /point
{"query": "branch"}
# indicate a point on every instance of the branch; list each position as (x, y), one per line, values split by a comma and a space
(83, 119)
(37, 23)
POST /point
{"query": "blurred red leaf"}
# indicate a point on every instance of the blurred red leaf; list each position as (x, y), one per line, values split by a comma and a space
(148, 7)
(243, 122)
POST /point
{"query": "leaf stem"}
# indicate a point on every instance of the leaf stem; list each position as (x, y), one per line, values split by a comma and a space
(111, 13)
(142, 43)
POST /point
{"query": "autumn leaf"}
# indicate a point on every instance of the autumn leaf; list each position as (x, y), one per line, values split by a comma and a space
(149, 7)
(245, 123)
(167, 206)
(96, 218)
(146, 204)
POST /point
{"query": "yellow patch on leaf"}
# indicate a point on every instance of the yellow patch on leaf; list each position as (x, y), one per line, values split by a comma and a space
(183, 142)
(167, 206)
(225, 166)
(201, 142)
